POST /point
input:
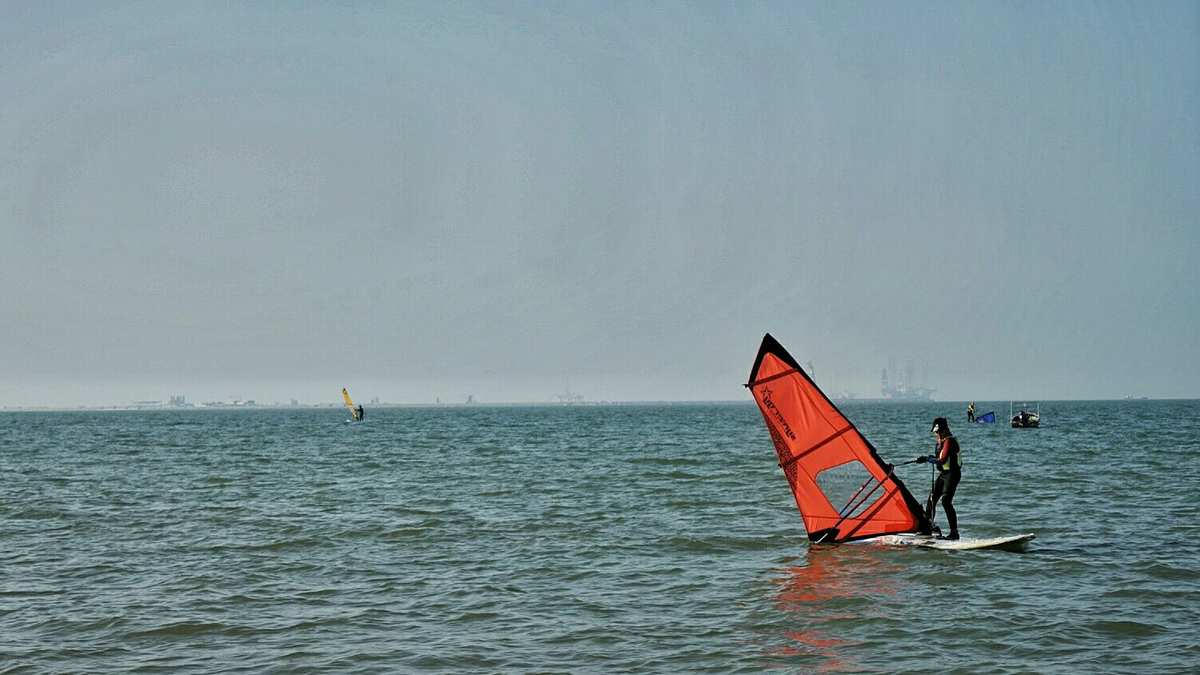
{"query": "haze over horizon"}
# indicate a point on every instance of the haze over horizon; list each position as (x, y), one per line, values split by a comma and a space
(512, 200)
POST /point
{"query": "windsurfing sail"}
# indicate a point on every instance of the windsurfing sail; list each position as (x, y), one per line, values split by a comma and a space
(843, 489)
(355, 413)
(986, 418)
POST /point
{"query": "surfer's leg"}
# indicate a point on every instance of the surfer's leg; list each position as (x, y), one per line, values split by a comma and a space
(933, 499)
(948, 502)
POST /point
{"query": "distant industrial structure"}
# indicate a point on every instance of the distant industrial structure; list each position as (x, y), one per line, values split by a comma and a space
(232, 403)
(569, 397)
(896, 384)
(828, 386)
(902, 386)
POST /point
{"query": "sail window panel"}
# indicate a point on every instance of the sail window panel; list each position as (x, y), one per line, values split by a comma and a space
(849, 488)
(811, 501)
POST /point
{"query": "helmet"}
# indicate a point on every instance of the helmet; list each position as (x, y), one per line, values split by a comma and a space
(940, 425)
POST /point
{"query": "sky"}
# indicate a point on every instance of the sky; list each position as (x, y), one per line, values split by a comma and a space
(512, 200)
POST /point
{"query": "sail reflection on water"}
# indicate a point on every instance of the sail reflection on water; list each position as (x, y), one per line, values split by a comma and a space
(835, 586)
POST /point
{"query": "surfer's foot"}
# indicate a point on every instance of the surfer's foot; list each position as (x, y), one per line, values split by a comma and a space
(952, 536)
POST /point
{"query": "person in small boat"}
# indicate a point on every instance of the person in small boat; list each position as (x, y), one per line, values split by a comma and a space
(971, 411)
(948, 460)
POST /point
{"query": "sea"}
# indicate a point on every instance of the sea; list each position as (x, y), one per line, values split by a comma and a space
(649, 538)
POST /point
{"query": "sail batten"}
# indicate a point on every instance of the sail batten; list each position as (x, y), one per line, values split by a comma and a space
(825, 457)
(831, 438)
(776, 376)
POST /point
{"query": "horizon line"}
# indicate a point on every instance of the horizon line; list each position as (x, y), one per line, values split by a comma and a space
(130, 407)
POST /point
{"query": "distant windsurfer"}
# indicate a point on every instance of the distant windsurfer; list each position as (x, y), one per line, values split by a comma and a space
(948, 460)
(971, 411)
(356, 411)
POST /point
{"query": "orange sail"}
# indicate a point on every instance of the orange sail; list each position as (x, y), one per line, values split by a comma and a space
(843, 489)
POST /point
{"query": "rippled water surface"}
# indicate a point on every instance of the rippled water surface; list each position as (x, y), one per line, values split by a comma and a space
(655, 538)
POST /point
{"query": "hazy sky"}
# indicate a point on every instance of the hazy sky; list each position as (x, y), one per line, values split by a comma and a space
(508, 199)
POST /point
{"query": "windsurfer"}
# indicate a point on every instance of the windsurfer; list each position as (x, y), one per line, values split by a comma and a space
(948, 460)
(356, 411)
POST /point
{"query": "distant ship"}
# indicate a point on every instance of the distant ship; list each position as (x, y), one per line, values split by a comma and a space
(569, 397)
(916, 394)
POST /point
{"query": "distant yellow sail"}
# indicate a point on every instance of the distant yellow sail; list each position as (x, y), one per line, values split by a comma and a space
(349, 402)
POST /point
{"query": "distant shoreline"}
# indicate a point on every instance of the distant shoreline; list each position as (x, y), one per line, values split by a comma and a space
(525, 404)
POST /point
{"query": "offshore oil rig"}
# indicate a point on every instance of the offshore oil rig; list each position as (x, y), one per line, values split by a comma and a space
(904, 387)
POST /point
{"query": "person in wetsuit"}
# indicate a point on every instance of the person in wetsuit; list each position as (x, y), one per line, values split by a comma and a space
(971, 411)
(948, 460)
(358, 412)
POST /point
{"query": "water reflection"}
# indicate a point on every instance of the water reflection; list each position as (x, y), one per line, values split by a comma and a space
(825, 596)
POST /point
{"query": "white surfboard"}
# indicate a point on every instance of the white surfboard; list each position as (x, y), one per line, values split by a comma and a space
(1016, 542)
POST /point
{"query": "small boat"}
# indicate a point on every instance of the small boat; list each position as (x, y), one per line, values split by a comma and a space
(1027, 416)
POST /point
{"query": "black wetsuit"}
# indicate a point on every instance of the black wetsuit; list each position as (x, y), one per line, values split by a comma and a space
(949, 474)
